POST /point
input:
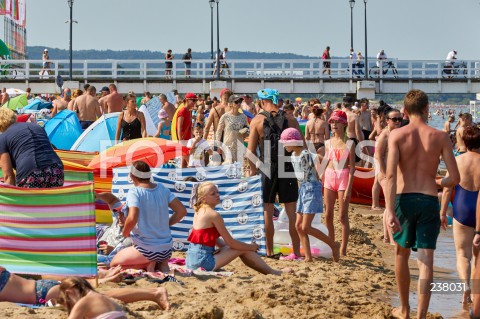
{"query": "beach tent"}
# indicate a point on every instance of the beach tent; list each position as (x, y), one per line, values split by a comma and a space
(154, 151)
(16, 102)
(98, 136)
(149, 124)
(37, 105)
(12, 92)
(49, 231)
(63, 129)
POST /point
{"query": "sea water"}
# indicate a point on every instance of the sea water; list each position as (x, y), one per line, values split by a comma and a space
(448, 305)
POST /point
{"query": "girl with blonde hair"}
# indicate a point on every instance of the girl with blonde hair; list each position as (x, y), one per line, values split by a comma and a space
(208, 227)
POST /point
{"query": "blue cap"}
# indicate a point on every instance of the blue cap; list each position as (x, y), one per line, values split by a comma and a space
(268, 94)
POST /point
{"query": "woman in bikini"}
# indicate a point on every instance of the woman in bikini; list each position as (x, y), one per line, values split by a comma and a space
(394, 121)
(338, 175)
(208, 227)
(465, 208)
(17, 289)
(131, 122)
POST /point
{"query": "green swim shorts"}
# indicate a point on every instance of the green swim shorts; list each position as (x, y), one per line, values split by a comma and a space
(419, 216)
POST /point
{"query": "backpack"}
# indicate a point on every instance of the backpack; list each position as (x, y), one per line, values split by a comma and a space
(273, 126)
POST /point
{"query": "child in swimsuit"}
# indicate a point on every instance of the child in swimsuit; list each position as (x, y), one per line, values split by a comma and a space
(82, 301)
(208, 227)
(309, 195)
(338, 177)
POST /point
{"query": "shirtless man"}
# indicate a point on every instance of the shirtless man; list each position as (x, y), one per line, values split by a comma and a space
(87, 107)
(446, 126)
(365, 119)
(354, 131)
(286, 188)
(316, 130)
(247, 104)
(5, 97)
(103, 98)
(114, 101)
(217, 112)
(466, 121)
(327, 111)
(167, 106)
(62, 103)
(413, 212)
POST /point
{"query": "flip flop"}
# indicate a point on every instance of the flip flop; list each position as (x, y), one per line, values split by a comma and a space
(275, 256)
(166, 279)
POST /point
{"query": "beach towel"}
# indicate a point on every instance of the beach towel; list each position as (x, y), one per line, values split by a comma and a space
(48, 231)
(241, 200)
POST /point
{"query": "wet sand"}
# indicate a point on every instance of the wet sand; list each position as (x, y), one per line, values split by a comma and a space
(361, 285)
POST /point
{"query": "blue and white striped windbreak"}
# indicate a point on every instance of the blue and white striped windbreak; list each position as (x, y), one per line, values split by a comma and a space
(241, 200)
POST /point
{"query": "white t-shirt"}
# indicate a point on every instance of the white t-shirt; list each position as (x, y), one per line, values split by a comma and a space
(197, 158)
(451, 56)
(381, 56)
(353, 57)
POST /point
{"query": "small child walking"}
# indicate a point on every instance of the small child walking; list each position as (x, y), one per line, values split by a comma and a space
(309, 195)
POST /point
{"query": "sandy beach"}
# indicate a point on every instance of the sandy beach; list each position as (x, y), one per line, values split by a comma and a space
(359, 286)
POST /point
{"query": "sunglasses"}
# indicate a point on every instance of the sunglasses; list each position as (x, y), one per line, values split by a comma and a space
(395, 119)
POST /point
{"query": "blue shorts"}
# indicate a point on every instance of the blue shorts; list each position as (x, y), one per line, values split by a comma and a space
(200, 256)
(310, 198)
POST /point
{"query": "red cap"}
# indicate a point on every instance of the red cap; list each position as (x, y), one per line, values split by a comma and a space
(190, 96)
(223, 92)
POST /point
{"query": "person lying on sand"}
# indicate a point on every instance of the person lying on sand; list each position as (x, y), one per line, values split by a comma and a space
(82, 301)
(17, 289)
(208, 226)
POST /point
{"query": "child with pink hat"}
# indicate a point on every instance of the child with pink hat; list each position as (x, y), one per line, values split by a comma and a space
(164, 126)
(309, 200)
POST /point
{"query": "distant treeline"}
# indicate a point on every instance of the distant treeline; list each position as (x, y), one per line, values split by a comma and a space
(35, 52)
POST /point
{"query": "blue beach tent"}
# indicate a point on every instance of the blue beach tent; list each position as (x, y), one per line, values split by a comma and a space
(63, 129)
(37, 105)
(99, 136)
(153, 107)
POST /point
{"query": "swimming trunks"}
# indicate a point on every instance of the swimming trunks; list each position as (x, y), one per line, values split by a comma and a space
(42, 287)
(85, 124)
(419, 216)
(158, 257)
(464, 206)
(4, 277)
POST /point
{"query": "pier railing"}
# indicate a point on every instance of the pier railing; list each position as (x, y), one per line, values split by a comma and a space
(295, 69)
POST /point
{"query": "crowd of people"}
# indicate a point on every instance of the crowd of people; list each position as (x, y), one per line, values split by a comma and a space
(323, 163)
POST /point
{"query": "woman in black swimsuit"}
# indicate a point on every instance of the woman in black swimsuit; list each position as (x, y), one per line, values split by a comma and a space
(168, 64)
(131, 122)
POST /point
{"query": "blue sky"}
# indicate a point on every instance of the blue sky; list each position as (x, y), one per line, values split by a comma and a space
(406, 29)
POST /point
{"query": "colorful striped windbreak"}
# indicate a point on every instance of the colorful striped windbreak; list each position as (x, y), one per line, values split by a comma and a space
(48, 231)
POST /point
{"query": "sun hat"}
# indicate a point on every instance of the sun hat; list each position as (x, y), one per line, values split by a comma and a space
(291, 137)
(46, 50)
(339, 116)
(190, 96)
(162, 114)
(268, 94)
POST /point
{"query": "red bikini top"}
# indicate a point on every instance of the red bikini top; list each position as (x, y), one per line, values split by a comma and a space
(205, 236)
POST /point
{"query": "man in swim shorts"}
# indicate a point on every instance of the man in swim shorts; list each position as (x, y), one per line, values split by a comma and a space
(411, 197)
(267, 126)
(354, 130)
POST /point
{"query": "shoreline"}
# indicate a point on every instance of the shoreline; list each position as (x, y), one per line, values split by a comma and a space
(361, 285)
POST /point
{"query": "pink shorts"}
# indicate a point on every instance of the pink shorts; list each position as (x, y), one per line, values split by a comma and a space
(336, 180)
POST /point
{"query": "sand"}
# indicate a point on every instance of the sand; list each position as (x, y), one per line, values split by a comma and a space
(359, 286)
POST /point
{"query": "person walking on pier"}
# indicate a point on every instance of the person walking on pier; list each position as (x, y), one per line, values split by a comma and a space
(168, 64)
(326, 63)
(187, 59)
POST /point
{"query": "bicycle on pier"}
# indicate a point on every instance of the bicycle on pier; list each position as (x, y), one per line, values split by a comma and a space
(387, 66)
(451, 70)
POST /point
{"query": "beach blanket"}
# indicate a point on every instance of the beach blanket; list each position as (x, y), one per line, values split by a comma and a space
(48, 231)
(241, 200)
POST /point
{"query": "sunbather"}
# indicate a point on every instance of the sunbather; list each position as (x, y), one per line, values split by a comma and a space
(17, 289)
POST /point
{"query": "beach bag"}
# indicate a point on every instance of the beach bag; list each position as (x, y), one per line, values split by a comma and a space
(273, 126)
